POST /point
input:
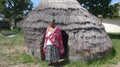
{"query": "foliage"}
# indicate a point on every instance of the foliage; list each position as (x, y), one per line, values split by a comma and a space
(13, 8)
(100, 7)
(114, 9)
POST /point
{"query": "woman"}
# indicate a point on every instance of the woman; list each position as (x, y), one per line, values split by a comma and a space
(53, 44)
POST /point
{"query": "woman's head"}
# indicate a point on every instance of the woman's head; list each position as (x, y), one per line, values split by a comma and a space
(52, 23)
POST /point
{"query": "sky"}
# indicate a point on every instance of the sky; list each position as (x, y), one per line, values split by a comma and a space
(36, 2)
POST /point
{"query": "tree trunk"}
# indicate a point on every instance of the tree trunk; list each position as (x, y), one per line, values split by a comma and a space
(15, 23)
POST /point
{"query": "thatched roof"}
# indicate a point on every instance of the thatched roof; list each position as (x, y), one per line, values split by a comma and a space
(60, 4)
(65, 11)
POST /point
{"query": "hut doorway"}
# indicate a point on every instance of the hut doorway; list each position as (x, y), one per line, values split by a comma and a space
(65, 38)
(65, 43)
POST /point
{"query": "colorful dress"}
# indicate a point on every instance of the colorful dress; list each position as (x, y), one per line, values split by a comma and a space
(53, 45)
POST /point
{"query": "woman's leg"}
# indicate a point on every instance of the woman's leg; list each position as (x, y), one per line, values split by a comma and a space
(48, 54)
(55, 55)
(52, 54)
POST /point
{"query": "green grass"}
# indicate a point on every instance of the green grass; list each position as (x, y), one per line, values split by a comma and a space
(21, 57)
(14, 31)
(13, 41)
(27, 58)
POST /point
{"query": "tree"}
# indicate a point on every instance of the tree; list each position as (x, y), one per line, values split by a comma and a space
(114, 9)
(97, 7)
(14, 8)
(2, 6)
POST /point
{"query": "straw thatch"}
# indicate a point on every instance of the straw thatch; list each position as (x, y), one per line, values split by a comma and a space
(86, 36)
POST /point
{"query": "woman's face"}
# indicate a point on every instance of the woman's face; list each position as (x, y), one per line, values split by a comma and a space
(52, 24)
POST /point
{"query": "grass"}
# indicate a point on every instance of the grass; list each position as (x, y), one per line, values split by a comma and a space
(13, 53)
(14, 31)
(27, 58)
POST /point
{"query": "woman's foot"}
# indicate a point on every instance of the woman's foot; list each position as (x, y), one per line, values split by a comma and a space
(50, 64)
(56, 64)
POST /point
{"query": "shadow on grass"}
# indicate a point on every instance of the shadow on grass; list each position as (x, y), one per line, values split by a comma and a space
(59, 64)
(103, 60)
(114, 36)
(64, 62)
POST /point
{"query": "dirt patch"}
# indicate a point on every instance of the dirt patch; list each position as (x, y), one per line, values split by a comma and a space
(117, 65)
(17, 49)
(11, 55)
(26, 65)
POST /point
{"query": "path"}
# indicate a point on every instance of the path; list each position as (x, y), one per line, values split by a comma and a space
(112, 28)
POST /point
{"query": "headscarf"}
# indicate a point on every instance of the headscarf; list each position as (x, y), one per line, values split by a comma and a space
(52, 19)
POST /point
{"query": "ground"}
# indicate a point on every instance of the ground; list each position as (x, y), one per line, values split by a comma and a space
(13, 54)
(117, 65)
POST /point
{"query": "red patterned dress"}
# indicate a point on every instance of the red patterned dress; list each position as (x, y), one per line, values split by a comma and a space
(53, 45)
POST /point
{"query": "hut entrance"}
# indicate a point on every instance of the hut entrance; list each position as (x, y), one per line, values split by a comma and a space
(65, 38)
(65, 43)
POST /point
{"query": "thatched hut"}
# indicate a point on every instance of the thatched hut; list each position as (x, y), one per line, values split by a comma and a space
(84, 35)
